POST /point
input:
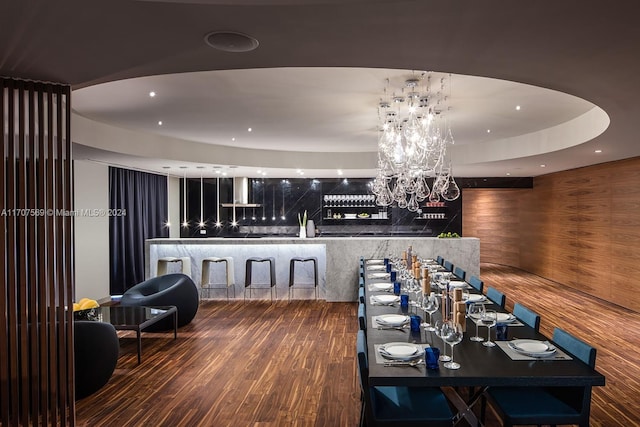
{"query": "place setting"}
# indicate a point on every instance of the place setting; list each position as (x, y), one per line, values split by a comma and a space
(391, 321)
(380, 275)
(400, 354)
(529, 349)
(384, 299)
(377, 267)
(381, 287)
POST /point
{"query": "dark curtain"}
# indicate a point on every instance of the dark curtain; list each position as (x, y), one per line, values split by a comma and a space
(144, 197)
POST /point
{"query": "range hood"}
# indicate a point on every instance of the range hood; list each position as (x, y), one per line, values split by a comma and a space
(240, 194)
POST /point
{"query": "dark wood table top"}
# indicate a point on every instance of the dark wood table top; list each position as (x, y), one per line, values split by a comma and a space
(480, 365)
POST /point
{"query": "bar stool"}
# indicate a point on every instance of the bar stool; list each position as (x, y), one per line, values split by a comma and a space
(164, 262)
(207, 266)
(272, 275)
(292, 273)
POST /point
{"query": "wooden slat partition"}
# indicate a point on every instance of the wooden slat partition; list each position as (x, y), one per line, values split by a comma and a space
(36, 329)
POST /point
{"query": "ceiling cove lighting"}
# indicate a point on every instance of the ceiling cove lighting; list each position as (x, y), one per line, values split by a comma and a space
(414, 133)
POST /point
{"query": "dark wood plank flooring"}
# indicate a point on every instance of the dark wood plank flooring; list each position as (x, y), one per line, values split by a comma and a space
(293, 364)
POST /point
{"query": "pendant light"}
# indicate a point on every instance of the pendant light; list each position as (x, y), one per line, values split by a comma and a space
(234, 223)
(185, 222)
(218, 222)
(202, 222)
(168, 223)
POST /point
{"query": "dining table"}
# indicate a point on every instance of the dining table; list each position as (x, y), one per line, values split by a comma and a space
(480, 366)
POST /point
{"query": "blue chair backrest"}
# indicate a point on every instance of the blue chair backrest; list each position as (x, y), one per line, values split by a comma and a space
(362, 317)
(361, 282)
(440, 260)
(363, 363)
(526, 316)
(476, 283)
(496, 296)
(575, 346)
(448, 265)
(361, 295)
(460, 272)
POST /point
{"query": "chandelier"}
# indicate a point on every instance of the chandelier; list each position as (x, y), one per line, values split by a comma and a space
(412, 147)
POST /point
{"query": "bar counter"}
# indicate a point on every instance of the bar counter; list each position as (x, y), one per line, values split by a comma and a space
(337, 271)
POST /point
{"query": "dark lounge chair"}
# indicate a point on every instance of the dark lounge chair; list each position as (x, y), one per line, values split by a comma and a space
(170, 289)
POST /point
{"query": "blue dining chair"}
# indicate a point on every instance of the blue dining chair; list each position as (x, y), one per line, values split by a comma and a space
(547, 405)
(440, 260)
(361, 282)
(476, 283)
(496, 296)
(460, 272)
(361, 295)
(399, 405)
(448, 265)
(526, 316)
(362, 317)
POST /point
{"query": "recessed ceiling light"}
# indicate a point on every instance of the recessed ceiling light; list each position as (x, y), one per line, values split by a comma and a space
(598, 151)
(152, 94)
(229, 41)
(543, 166)
(233, 139)
(339, 172)
(488, 130)
(159, 122)
(264, 174)
(218, 172)
(518, 107)
(508, 173)
(259, 171)
(249, 130)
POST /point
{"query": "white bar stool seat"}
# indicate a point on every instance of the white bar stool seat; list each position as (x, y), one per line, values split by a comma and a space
(164, 262)
(207, 267)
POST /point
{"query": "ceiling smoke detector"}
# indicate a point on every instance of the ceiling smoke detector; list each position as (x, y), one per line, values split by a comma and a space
(230, 41)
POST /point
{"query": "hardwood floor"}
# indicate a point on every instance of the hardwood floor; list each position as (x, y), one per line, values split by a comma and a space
(261, 364)
(237, 364)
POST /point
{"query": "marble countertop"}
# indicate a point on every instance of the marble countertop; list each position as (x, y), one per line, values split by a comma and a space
(200, 240)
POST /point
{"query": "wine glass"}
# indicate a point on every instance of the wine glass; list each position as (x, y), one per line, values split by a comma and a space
(452, 334)
(438, 331)
(475, 312)
(489, 319)
(430, 304)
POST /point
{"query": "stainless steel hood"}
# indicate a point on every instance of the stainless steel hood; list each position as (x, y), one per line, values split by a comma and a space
(240, 194)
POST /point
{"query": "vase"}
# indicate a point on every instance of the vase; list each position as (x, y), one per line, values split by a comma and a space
(303, 232)
(311, 228)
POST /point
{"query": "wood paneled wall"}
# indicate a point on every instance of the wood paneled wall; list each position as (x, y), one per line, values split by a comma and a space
(580, 228)
(36, 234)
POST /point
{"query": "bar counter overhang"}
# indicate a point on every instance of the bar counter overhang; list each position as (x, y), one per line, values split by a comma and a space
(337, 271)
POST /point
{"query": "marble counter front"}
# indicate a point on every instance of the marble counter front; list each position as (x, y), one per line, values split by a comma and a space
(337, 258)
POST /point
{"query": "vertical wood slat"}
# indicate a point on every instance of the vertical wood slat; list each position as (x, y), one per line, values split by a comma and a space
(36, 364)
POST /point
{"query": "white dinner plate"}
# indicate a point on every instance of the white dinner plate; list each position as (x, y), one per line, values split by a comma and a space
(505, 318)
(475, 298)
(392, 319)
(400, 351)
(375, 261)
(376, 267)
(382, 286)
(457, 284)
(532, 347)
(385, 299)
(377, 275)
